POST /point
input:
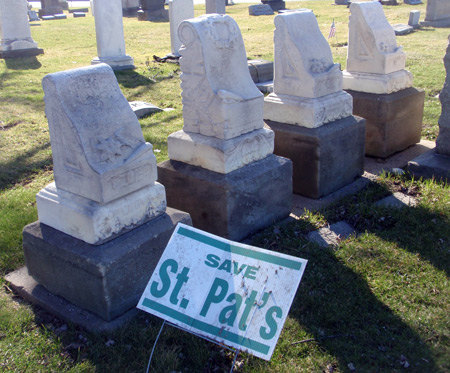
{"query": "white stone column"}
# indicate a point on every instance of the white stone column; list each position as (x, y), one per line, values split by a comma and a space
(109, 32)
(179, 10)
(15, 33)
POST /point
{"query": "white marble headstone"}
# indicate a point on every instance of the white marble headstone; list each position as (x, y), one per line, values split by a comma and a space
(307, 83)
(105, 173)
(179, 10)
(375, 63)
(222, 108)
(215, 6)
(109, 33)
(15, 31)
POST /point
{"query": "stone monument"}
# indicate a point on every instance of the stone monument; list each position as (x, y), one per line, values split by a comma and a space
(103, 223)
(110, 38)
(179, 10)
(436, 162)
(15, 33)
(438, 13)
(308, 110)
(381, 87)
(130, 8)
(50, 8)
(215, 6)
(221, 168)
(276, 5)
(153, 10)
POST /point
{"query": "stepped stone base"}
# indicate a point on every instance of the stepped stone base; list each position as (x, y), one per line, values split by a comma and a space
(232, 205)
(325, 158)
(393, 121)
(430, 165)
(106, 280)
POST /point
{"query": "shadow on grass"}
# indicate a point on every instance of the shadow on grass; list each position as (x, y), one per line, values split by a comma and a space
(28, 63)
(132, 79)
(19, 169)
(336, 305)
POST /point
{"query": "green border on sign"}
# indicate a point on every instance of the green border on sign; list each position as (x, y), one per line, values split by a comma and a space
(204, 327)
(265, 257)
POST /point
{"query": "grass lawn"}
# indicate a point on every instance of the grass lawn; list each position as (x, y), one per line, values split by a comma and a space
(380, 301)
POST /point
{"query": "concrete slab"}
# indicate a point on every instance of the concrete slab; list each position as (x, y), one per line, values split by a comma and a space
(397, 200)
(331, 235)
(430, 165)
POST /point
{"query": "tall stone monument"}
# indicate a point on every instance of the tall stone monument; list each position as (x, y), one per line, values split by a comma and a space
(103, 223)
(308, 110)
(179, 10)
(438, 13)
(436, 162)
(110, 38)
(215, 6)
(15, 33)
(381, 87)
(221, 168)
(50, 8)
(153, 10)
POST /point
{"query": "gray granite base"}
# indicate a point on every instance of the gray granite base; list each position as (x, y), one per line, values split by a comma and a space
(30, 290)
(324, 159)
(106, 280)
(393, 121)
(21, 53)
(430, 165)
(232, 205)
(439, 23)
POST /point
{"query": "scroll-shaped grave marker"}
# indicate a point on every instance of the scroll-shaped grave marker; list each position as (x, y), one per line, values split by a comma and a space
(15, 33)
(100, 158)
(103, 223)
(381, 87)
(222, 170)
(309, 112)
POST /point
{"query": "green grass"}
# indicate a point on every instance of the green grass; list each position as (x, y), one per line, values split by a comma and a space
(378, 300)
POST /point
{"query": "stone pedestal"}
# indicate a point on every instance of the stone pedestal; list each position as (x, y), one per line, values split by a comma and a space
(15, 33)
(324, 159)
(393, 121)
(232, 205)
(431, 165)
(106, 280)
(109, 33)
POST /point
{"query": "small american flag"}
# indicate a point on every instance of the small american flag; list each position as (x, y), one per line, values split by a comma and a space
(332, 30)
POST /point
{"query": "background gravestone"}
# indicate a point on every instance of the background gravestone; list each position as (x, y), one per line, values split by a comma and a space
(109, 34)
(153, 10)
(15, 33)
(130, 8)
(381, 87)
(215, 6)
(179, 10)
(438, 13)
(50, 8)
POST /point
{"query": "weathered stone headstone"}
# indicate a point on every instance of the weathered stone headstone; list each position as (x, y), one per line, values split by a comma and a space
(179, 10)
(276, 5)
(32, 15)
(153, 10)
(110, 38)
(381, 87)
(50, 8)
(388, 2)
(215, 6)
(438, 13)
(15, 33)
(103, 223)
(221, 169)
(414, 18)
(413, 2)
(260, 10)
(436, 163)
(308, 110)
(401, 29)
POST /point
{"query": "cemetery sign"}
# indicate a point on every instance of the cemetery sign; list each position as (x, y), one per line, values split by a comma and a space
(233, 293)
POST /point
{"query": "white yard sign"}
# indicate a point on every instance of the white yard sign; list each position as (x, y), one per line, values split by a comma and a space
(230, 292)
